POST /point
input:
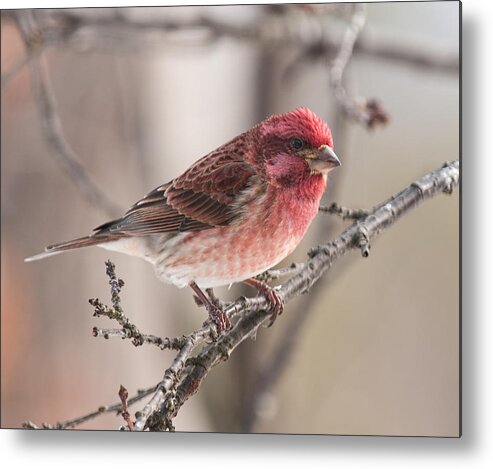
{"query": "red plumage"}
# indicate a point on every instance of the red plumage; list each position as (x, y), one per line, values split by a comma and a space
(235, 212)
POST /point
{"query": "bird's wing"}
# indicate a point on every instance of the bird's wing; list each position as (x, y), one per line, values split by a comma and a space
(208, 194)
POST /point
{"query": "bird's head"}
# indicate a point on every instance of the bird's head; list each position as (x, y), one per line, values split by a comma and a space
(294, 147)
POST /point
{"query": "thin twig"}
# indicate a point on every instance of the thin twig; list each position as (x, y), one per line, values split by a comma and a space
(141, 394)
(123, 394)
(255, 310)
(185, 345)
(128, 329)
(62, 152)
(270, 370)
(366, 111)
(166, 343)
(351, 34)
(169, 381)
(119, 33)
(186, 373)
(344, 212)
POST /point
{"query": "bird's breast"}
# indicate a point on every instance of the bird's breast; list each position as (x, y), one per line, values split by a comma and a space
(273, 224)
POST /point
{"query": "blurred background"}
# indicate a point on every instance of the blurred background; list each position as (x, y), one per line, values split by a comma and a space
(141, 94)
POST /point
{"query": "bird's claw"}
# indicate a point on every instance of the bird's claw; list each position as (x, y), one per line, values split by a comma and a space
(275, 301)
(277, 305)
(218, 317)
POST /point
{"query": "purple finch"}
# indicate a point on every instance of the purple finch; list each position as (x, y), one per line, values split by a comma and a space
(233, 214)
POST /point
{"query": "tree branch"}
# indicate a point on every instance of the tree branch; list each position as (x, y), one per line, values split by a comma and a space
(365, 111)
(184, 376)
(91, 415)
(270, 370)
(202, 349)
(344, 212)
(33, 37)
(120, 33)
(186, 373)
(255, 310)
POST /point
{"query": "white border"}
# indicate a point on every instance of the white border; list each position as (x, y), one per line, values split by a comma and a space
(96, 449)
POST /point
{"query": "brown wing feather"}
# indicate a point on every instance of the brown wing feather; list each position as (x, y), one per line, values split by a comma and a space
(206, 195)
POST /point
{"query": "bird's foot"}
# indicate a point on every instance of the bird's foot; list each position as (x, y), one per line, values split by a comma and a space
(212, 304)
(276, 302)
(218, 317)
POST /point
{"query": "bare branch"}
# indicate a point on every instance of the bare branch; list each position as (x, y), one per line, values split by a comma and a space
(254, 311)
(270, 29)
(61, 150)
(274, 274)
(121, 33)
(401, 53)
(164, 388)
(196, 354)
(123, 394)
(141, 394)
(366, 111)
(271, 369)
(128, 329)
(186, 373)
(52, 128)
(138, 339)
(343, 212)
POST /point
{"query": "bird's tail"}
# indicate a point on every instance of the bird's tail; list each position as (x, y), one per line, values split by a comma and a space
(83, 242)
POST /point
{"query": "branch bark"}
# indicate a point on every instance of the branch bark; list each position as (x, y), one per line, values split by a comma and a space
(51, 124)
(365, 111)
(119, 33)
(186, 373)
(357, 236)
(196, 354)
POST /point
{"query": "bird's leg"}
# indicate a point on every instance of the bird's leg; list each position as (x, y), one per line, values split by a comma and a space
(210, 293)
(216, 314)
(276, 302)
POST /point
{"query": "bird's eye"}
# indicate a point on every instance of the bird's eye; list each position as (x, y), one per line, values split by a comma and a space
(297, 144)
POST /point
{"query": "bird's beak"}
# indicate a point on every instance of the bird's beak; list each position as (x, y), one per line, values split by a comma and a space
(324, 160)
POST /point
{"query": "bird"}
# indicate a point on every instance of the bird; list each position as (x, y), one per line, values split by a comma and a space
(233, 214)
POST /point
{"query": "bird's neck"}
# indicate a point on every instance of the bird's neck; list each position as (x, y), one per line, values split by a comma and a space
(302, 200)
(307, 191)
(311, 188)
